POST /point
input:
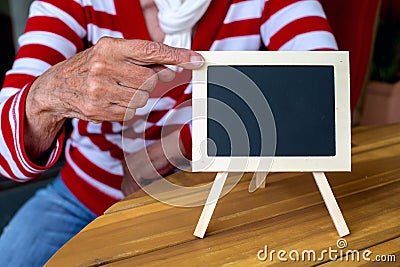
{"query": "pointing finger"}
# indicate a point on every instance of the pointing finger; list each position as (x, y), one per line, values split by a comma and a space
(147, 52)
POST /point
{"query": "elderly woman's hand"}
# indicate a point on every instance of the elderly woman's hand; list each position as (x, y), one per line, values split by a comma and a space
(98, 84)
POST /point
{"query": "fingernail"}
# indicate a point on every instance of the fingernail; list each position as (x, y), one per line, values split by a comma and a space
(197, 61)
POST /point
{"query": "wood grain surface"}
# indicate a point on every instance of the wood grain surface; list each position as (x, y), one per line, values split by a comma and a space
(288, 214)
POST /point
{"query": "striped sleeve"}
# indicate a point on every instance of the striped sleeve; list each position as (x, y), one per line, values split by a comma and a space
(296, 25)
(54, 32)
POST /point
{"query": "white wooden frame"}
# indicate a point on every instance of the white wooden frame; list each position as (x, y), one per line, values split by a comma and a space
(340, 162)
(261, 165)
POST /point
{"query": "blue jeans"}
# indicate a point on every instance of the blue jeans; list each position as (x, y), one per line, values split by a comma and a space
(42, 225)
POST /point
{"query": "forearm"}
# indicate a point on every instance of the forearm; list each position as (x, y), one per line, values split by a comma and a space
(15, 163)
(31, 139)
(45, 113)
(41, 129)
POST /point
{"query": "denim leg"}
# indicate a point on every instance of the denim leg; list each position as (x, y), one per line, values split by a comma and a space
(42, 225)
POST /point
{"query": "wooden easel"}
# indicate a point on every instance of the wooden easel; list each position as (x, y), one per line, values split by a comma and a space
(319, 177)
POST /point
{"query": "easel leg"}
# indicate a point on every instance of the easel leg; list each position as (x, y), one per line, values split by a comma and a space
(261, 178)
(331, 204)
(210, 205)
(257, 181)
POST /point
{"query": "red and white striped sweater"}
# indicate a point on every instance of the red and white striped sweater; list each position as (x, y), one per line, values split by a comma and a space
(57, 29)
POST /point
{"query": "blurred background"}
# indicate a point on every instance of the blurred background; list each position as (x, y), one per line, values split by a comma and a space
(13, 15)
(370, 32)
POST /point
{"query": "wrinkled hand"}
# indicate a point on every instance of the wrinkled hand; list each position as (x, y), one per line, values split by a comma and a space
(99, 84)
(152, 163)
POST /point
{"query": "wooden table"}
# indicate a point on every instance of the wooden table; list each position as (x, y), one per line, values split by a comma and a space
(288, 214)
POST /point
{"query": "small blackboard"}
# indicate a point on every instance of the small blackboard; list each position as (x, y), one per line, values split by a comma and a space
(271, 111)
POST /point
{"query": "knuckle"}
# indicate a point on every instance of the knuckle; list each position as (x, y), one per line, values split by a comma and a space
(153, 49)
(174, 55)
(102, 49)
(93, 88)
(142, 99)
(153, 81)
(139, 99)
(150, 83)
(89, 110)
(104, 41)
(98, 48)
(129, 115)
(97, 66)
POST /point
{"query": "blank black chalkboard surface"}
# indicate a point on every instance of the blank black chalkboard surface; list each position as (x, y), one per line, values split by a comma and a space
(301, 99)
(275, 111)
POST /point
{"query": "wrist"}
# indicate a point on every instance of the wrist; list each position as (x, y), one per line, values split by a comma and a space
(43, 103)
(42, 125)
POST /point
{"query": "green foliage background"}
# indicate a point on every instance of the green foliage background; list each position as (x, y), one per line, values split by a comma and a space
(386, 57)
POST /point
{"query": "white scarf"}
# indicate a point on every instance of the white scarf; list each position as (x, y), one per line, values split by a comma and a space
(177, 18)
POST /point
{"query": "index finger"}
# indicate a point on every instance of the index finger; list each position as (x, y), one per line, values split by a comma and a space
(144, 52)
